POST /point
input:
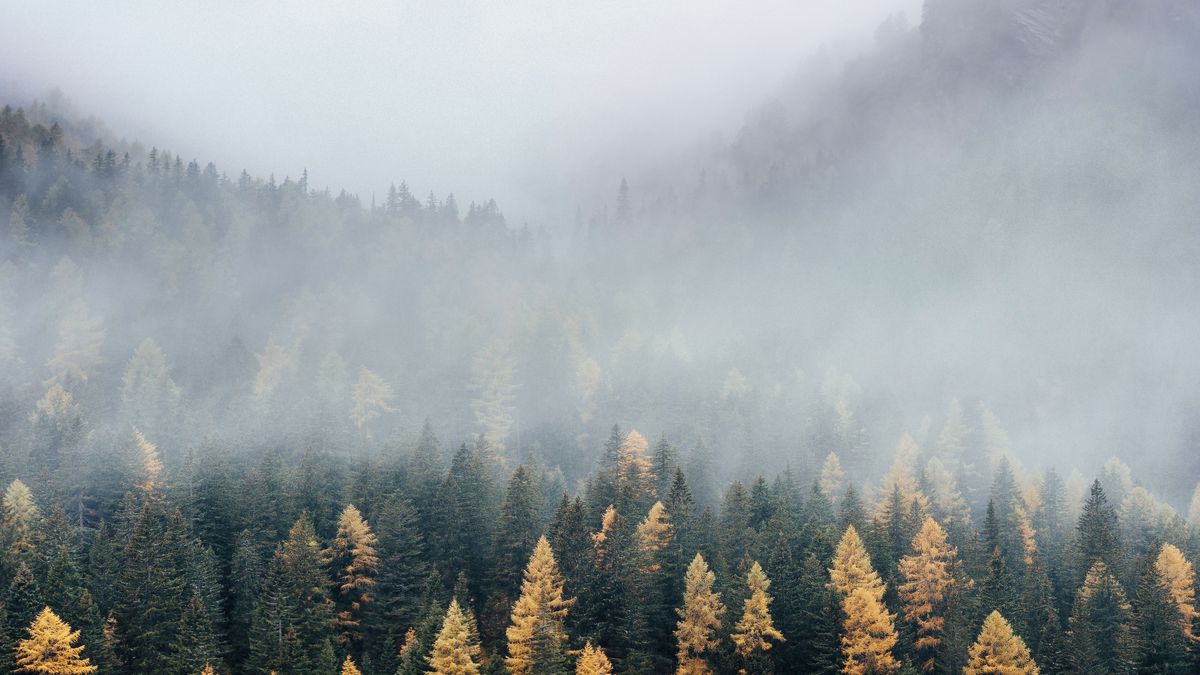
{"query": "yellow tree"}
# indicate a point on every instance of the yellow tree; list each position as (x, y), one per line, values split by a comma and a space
(348, 667)
(852, 567)
(455, 650)
(355, 564)
(699, 618)
(998, 651)
(372, 397)
(868, 635)
(20, 516)
(928, 575)
(50, 648)
(151, 465)
(592, 661)
(536, 636)
(902, 477)
(208, 670)
(832, 477)
(1176, 575)
(635, 473)
(868, 630)
(753, 632)
(653, 536)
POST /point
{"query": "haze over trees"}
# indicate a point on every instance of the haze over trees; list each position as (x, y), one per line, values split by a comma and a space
(900, 379)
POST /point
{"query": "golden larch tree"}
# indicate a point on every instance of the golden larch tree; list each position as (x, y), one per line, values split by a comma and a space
(20, 515)
(208, 670)
(355, 564)
(852, 567)
(372, 397)
(455, 650)
(635, 472)
(832, 477)
(536, 636)
(592, 661)
(868, 635)
(50, 648)
(754, 631)
(998, 651)
(699, 619)
(1176, 575)
(348, 667)
(151, 465)
(653, 536)
(928, 576)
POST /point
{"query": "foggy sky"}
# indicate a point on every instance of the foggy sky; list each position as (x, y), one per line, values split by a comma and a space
(514, 100)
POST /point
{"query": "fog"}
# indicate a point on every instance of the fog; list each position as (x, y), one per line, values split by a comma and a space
(512, 100)
(838, 225)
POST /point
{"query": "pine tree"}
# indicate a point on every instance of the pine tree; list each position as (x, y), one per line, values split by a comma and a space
(699, 619)
(294, 618)
(929, 575)
(754, 632)
(1160, 644)
(817, 639)
(1176, 575)
(665, 464)
(455, 652)
(1100, 636)
(517, 531)
(998, 651)
(536, 638)
(592, 661)
(402, 568)
(1097, 537)
(50, 648)
(355, 563)
(868, 635)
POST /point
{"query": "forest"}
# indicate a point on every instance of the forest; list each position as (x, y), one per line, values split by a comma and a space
(901, 378)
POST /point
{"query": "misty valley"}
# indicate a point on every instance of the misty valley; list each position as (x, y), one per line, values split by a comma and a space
(899, 374)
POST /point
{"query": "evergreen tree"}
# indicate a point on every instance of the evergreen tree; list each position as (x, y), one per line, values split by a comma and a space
(196, 644)
(1160, 644)
(998, 651)
(517, 532)
(1097, 534)
(402, 568)
(817, 638)
(665, 462)
(50, 648)
(1100, 637)
(294, 618)
(536, 638)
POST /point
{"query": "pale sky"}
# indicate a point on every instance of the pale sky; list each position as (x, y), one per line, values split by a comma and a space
(501, 99)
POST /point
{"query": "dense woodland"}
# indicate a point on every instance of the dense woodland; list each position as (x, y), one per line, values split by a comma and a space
(251, 425)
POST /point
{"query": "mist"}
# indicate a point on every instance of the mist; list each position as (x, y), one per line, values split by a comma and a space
(512, 101)
(873, 264)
